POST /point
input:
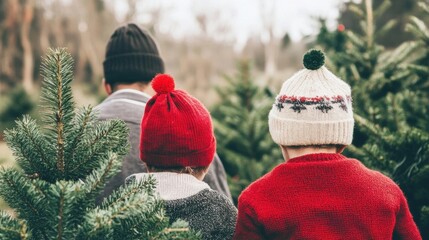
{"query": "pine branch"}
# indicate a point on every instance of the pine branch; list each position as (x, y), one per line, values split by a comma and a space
(179, 229)
(12, 229)
(130, 203)
(57, 72)
(107, 132)
(84, 192)
(368, 125)
(81, 122)
(100, 138)
(146, 186)
(60, 225)
(110, 165)
(20, 194)
(418, 28)
(135, 201)
(30, 148)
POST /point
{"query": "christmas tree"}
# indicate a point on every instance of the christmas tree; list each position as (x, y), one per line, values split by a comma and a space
(391, 102)
(241, 127)
(64, 165)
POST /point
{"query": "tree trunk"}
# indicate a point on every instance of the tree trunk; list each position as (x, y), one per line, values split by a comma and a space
(91, 53)
(86, 39)
(28, 64)
(9, 48)
(270, 55)
(44, 33)
(369, 22)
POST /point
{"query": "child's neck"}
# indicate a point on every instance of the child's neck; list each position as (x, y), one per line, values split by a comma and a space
(289, 153)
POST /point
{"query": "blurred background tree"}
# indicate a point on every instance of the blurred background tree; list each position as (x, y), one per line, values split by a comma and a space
(390, 97)
(397, 10)
(15, 104)
(241, 127)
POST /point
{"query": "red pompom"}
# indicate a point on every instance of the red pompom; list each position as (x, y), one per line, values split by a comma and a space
(163, 83)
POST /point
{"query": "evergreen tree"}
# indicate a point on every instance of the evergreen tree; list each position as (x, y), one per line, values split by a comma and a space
(241, 127)
(399, 12)
(391, 104)
(15, 104)
(66, 164)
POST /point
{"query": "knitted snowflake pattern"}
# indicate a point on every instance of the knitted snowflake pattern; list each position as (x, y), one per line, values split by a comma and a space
(323, 103)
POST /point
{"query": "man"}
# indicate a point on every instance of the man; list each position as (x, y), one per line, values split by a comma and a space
(132, 61)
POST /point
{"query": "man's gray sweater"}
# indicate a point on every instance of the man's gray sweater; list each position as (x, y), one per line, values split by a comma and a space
(129, 105)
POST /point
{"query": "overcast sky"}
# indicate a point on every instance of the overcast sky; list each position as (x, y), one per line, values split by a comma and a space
(241, 17)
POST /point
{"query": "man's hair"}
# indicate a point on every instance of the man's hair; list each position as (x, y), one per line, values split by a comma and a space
(194, 171)
(144, 82)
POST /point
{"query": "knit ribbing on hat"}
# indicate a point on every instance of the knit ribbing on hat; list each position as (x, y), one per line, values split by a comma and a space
(287, 132)
(129, 68)
(314, 107)
(131, 56)
(176, 129)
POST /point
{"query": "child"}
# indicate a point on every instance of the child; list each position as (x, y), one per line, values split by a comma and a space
(177, 144)
(318, 193)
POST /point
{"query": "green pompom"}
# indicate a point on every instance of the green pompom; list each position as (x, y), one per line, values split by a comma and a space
(314, 59)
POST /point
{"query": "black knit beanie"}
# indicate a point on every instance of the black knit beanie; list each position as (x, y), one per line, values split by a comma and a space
(131, 56)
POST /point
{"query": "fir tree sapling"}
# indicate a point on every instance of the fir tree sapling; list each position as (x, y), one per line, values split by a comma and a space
(65, 164)
(391, 101)
(241, 127)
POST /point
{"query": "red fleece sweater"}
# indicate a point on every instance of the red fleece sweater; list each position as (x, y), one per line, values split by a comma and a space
(324, 196)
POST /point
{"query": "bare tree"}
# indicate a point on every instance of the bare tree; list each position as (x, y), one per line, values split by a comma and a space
(9, 33)
(271, 42)
(132, 10)
(28, 63)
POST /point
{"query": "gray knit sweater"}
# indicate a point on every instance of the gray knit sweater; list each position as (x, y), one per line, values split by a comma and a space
(207, 211)
(192, 200)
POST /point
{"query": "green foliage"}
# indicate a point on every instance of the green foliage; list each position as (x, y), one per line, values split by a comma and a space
(425, 215)
(65, 164)
(14, 105)
(395, 16)
(11, 228)
(241, 127)
(391, 105)
(335, 40)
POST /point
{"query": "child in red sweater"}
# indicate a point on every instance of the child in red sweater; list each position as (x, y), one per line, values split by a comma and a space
(318, 193)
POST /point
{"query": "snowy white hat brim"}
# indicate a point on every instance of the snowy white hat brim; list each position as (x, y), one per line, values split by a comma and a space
(290, 132)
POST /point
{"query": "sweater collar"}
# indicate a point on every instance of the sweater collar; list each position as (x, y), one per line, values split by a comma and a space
(131, 94)
(317, 157)
(172, 186)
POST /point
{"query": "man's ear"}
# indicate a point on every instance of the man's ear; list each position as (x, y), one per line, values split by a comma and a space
(107, 87)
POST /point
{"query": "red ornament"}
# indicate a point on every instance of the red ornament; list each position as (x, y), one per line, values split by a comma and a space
(163, 83)
(341, 28)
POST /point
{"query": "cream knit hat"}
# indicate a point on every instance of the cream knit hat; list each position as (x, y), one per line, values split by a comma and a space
(314, 107)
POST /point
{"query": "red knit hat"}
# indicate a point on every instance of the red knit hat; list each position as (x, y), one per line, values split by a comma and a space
(176, 129)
